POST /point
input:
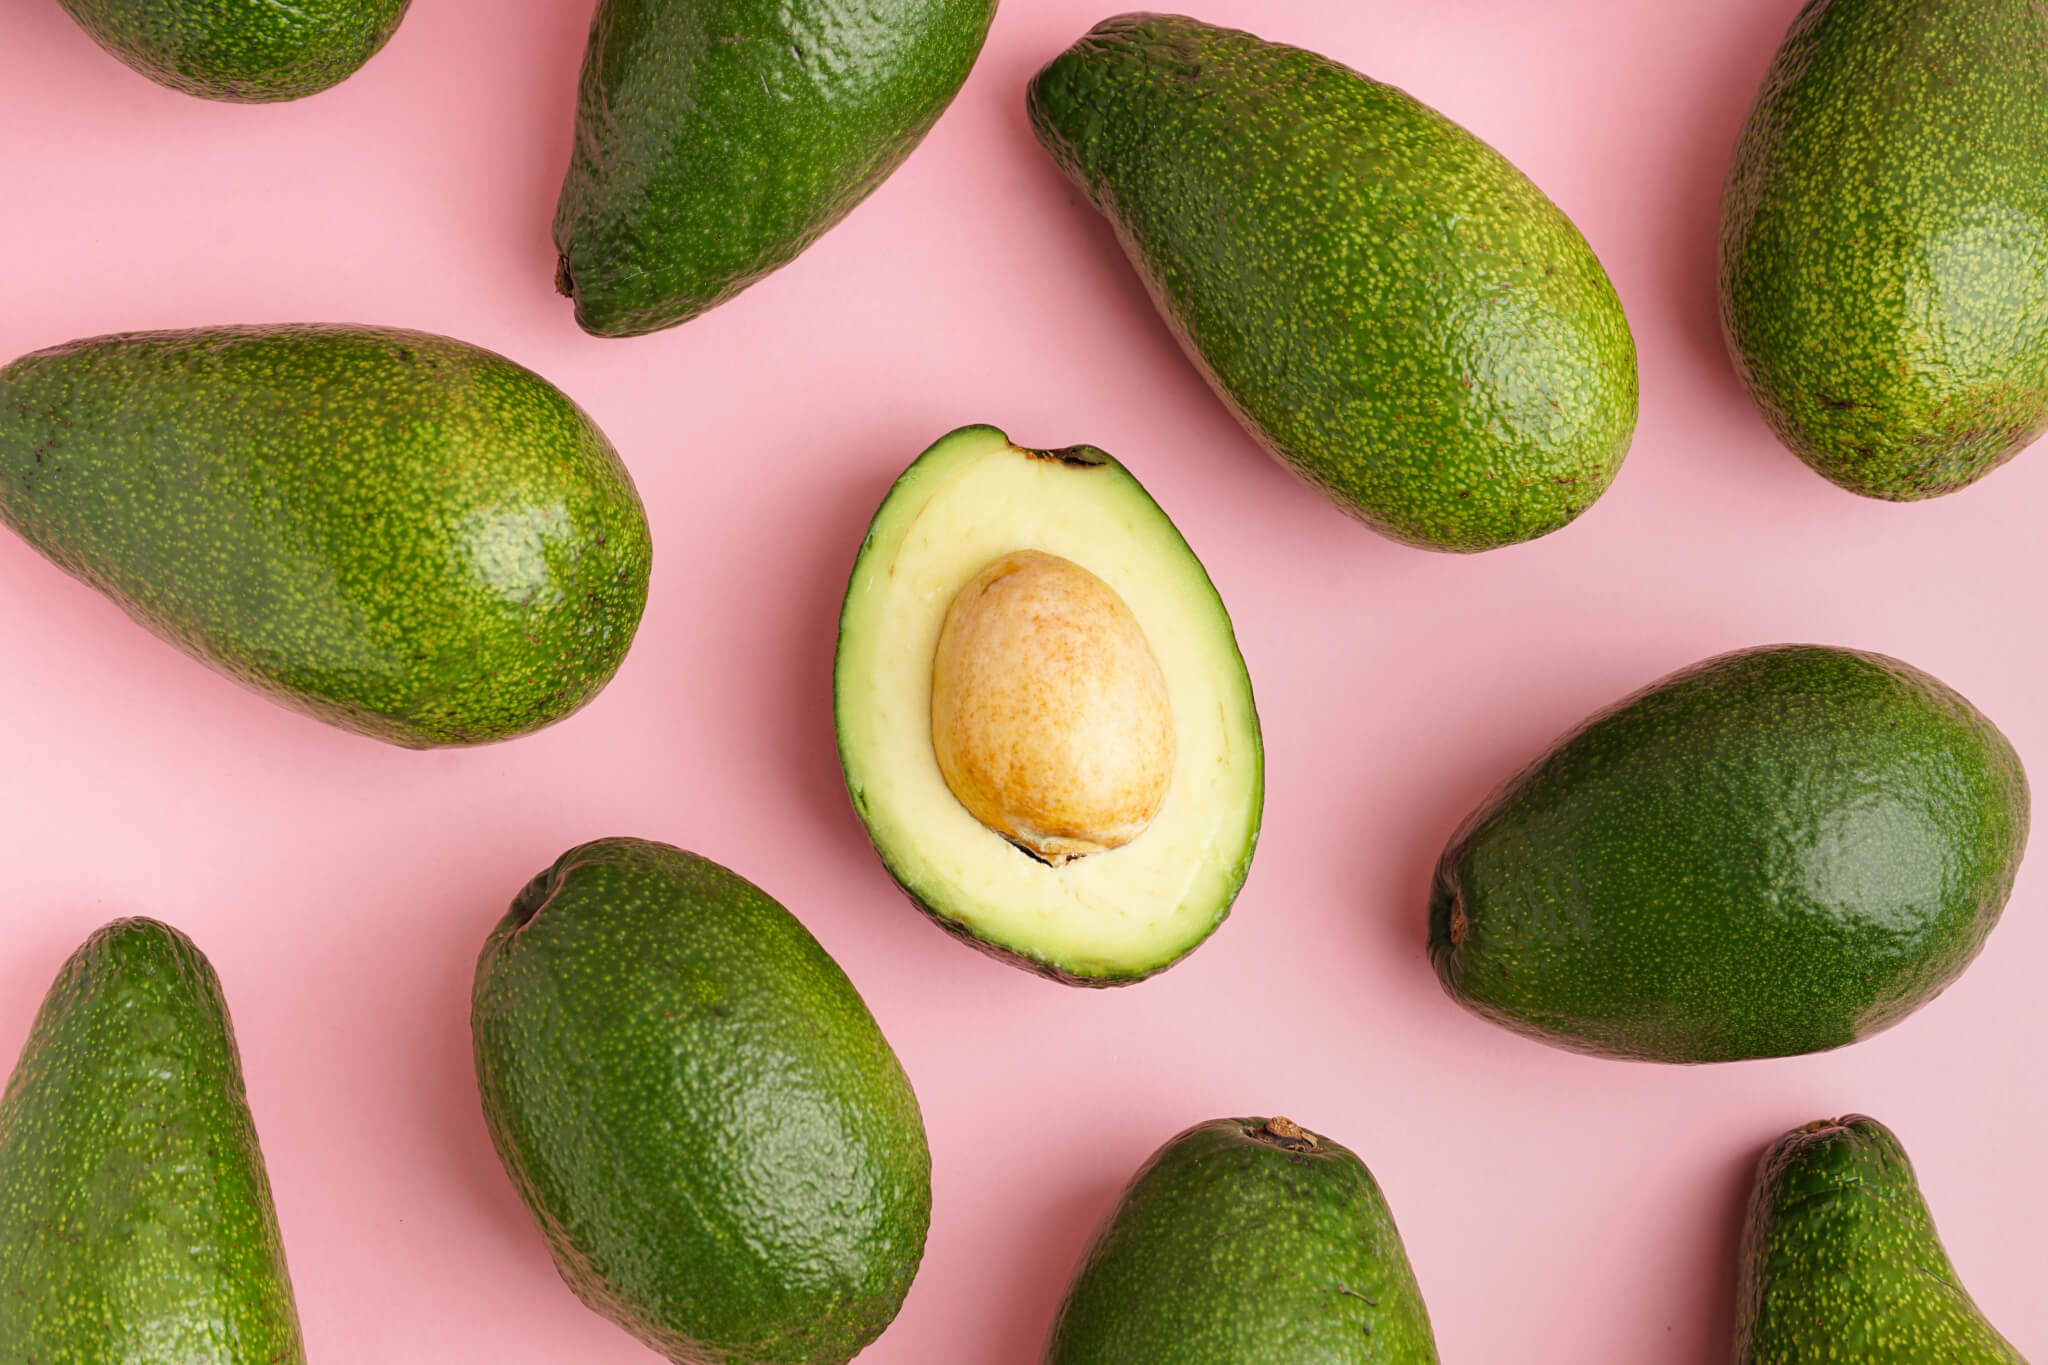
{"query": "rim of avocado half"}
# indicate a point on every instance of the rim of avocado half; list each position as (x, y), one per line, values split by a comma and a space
(1110, 917)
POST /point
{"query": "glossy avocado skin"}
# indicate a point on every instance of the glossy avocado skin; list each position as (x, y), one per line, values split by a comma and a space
(717, 1142)
(1385, 303)
(134, 1206)
(716, 139)
(1236, 1246)
(244, 51)
(1884, 241)
(403, 535)
(1841, 1261)
(1776, 851)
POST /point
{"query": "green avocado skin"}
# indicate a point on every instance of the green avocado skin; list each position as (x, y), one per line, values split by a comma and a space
(134, 1206)
(716, 139)
(244, 51)
(1884, 241)
(1234, 1246)
(1841, 1261)
(403, 535)
(1776, 851)
(1386, 304)
(719, 1146)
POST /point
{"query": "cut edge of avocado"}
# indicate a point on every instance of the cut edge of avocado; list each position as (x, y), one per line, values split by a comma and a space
(1111, 918)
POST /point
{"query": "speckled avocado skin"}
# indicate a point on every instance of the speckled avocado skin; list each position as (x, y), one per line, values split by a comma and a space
(1884, 241)
(400, 534)
(1841, 1262)
(135, 1213)
(1235, 1245)
(716, 139)
(1384, 302)
(1776, 851)
(717, 1142)
(245, 51)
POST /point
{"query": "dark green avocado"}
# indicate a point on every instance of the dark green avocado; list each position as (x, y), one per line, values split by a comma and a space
(716, 139)
(136, 1223)
(246, 51)
(403, 535)
(1776, 851)
(1246, 1242)
(1383, 301)
(1841, 1261)
(1884, 241)
(717, 1142)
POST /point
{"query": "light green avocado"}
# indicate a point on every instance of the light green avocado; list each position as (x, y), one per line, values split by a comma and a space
(1246, 1242)
(1884, 241)
(1384, 302)
(136, 1223)
(1109, 917)
(400, 534)
(717, 1142)
(1841, 1261)
(244, 51)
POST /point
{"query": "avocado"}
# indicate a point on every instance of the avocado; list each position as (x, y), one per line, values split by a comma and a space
(135, 1212)
(1043, 717)
(1246, 1242)
(245, 51)
(1775, 851)
(716, 139)
(403, 535)
(1384, 302)
(1884, 241)
(718, 1144)
(1841, 1262)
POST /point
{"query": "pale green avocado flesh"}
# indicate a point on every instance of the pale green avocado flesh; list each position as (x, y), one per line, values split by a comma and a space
(1110, 917)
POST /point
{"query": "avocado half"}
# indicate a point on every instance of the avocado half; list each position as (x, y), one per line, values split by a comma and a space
(1111, 917)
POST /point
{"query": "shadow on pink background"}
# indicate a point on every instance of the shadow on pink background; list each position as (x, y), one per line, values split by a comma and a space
(1557, 1208)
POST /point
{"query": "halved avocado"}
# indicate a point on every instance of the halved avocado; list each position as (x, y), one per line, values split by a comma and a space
(955, 520)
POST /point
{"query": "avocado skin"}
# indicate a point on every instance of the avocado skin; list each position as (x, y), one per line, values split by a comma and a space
(1776, 851)
(716, 139)
(1884, 241)
(134, 1206)
(721, 1149)
(243, 51)
(1386, 304)
(403, 535)
(1233, 1246)
(1841, 1261)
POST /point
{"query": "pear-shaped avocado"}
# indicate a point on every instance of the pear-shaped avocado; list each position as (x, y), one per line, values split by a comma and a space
(136, 1223)
(716, 139)
(1841, 1262)
(246, 51)
(1246, 1242)
(1775, 851)
(717, 1142)
(1884, 241)
(1043, 717)
(403, 535)
(1383, 301)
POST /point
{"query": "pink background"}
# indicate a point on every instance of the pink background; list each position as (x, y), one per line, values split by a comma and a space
(1557, 1208)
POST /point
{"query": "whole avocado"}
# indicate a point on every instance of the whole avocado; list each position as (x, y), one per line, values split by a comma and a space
(136, 1222)
(1884, 241)
(1776, 851)
(1383, 301)
(403, 535)
(1246, 1242)
(717, 139)
(245, 51)
(1840, 1260)
(717, 1142)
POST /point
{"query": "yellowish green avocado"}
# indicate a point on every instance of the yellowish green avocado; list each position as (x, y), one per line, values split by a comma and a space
(1043, 717)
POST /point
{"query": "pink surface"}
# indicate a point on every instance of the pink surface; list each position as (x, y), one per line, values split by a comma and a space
(1557, 1208)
